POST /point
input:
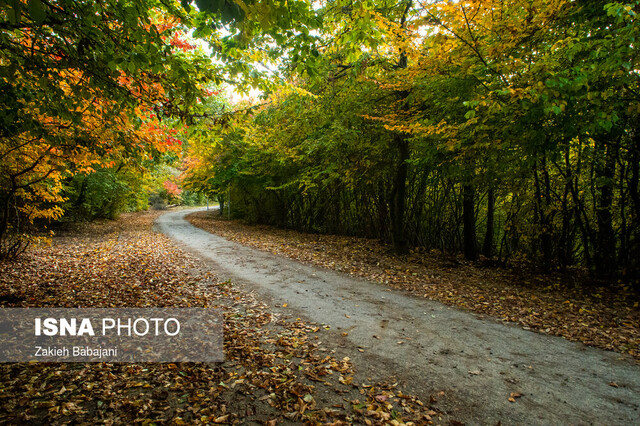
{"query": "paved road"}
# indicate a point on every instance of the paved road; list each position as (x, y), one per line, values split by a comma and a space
(477, 362)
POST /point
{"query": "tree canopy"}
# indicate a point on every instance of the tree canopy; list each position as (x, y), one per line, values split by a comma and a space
(497, 129)
(88, 87)
(504, 129)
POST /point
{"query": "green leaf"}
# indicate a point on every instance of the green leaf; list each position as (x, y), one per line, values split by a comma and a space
(37, 11)
(212, 6)
(14, 12)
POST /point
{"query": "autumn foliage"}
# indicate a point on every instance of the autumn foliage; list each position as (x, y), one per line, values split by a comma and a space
(499, 129)
(84, 88)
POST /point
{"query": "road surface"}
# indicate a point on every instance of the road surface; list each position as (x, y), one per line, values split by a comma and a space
(429, 347)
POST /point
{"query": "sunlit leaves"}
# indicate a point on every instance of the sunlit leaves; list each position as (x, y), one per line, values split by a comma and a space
(86, 86)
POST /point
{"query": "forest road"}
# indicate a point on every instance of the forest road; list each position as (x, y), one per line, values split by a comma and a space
(428, 347)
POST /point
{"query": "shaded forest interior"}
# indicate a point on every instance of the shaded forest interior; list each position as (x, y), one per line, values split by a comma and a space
(507, 132)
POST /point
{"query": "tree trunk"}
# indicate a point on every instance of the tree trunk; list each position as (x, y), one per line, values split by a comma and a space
(542, 214)
(605, 255)
(220, 198)
(382, 211)
(565, 243)
(487, 246)
(4, 218)
(399, 191)
(547, 230)
(634, 182)
(579, 209)
(469, 222)
(399, 197)
(82, 195)
(634, 193)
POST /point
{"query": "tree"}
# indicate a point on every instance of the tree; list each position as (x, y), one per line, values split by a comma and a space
(85, 85)
(429, 124)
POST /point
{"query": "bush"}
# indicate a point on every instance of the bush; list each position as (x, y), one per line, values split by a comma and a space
(189, 198)
(105, 194)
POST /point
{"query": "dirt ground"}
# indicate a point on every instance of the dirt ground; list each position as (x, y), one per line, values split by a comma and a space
(476, 370)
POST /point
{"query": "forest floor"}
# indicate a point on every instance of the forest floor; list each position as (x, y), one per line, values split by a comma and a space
(473, 367)
(570, 304)
(276, 370)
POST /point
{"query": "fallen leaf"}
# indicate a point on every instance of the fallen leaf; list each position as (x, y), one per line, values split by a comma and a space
(513, 396)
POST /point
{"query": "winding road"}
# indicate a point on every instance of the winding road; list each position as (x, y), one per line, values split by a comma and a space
(429, 347)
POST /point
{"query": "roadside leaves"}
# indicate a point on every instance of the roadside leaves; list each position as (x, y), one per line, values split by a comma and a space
(275, 370)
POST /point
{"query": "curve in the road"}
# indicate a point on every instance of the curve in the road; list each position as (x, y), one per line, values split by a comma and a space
(479, 361)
